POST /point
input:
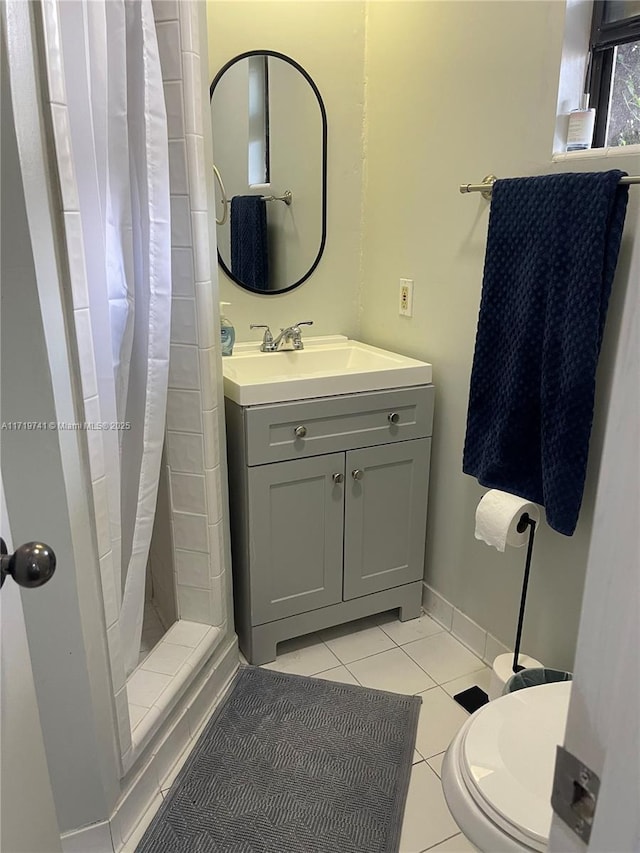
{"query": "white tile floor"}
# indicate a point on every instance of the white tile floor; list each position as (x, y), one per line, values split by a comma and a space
(417, 657)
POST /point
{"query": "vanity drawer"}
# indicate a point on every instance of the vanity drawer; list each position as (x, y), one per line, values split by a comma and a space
(329, 424)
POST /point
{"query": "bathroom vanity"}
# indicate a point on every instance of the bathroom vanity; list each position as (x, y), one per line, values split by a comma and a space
(328, 500)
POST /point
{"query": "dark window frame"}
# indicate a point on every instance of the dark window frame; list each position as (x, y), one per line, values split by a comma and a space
(605, 37)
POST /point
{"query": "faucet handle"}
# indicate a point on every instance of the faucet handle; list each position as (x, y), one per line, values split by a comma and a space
(294, 334)
(267, 338)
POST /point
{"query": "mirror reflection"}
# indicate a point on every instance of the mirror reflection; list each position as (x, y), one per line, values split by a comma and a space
(269, 149)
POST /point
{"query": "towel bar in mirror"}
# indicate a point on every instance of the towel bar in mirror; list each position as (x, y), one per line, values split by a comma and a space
(270, 141)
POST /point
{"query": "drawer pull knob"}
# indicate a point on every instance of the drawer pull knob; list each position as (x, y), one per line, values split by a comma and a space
(357, 474)
(338, 478)
(393, 418)
(300, 431)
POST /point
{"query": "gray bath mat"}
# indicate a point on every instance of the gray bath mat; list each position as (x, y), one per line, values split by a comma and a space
(289, 764)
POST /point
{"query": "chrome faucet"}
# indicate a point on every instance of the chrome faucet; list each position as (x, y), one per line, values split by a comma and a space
(291, 334)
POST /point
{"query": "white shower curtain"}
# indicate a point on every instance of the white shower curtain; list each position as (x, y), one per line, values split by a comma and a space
(118, 134)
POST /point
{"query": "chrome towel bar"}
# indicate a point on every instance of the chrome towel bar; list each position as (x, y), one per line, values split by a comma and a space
(487, 184)
(286, 197)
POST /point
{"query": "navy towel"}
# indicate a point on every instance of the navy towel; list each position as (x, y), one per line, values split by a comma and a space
(552, 248)
(249, 255)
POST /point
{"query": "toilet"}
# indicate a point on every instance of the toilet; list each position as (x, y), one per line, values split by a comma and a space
(498, 771)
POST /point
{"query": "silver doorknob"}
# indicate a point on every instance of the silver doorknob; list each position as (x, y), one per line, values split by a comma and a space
(338, 478)
(393, 418)
(300, 431)
(357, 474)
(30, 565)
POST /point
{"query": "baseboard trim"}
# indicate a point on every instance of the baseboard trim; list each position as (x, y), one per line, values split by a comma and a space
(476, 638)
(90, 839)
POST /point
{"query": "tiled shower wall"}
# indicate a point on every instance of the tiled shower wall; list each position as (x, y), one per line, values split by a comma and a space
(192, 440)
(161, 582)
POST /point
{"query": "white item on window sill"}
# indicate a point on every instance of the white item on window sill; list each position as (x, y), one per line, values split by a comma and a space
(581, 124)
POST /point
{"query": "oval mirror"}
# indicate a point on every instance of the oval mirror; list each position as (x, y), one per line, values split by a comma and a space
(270, 157)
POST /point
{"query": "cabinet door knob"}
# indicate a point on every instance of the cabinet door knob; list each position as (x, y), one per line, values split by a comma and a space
(393, 417)
(300, 431)
(338, 478)
(357, 474)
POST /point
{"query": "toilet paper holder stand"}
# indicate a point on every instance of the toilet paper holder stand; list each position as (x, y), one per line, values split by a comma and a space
(524, 522)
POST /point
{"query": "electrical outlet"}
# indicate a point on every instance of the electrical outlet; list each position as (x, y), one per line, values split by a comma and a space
(405, 307)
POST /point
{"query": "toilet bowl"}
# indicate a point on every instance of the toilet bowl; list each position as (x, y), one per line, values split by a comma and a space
(498, 771)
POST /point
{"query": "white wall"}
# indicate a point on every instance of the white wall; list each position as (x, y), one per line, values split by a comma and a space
(425, 96)
(327, 39)
(457, 91)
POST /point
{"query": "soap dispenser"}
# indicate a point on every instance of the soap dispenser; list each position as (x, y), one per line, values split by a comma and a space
(227, 332)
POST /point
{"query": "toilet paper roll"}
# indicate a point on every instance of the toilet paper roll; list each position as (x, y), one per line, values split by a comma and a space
(497, 517)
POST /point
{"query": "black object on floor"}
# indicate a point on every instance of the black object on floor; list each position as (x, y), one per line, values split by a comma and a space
(289, 764)
(471, 699)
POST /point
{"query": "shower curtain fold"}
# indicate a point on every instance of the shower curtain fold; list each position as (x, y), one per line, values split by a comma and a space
(119, 147)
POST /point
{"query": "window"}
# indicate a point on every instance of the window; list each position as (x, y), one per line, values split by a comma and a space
(614, 77)
(258, 164)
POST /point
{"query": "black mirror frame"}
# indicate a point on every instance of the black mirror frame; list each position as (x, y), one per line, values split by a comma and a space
(323, 114)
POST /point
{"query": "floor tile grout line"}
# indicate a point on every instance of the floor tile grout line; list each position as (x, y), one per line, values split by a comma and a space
(453, 637)
(415, 639)
(398, 645)
(366, 657)
(384, 651)
(402, 645)
(346, 666)
(448, 838)
(428, 758)
(381, 652)
(343, 666)
(440, 683)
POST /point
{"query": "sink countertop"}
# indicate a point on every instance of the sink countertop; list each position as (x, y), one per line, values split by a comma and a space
(327, 366)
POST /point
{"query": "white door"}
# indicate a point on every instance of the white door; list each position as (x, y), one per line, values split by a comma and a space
(603, 726)
(27, 815)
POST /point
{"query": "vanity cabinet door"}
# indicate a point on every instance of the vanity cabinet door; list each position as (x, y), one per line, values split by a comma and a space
(385, 516)
(296, 517)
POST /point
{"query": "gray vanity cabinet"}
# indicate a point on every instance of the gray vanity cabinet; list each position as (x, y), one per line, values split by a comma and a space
(297, 519)
(385, 516)
(328, 502)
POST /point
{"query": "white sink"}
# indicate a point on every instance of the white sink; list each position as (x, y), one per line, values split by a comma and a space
(326, 366)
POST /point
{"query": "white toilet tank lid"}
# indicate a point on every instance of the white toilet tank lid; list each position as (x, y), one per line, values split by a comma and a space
(509, 754)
